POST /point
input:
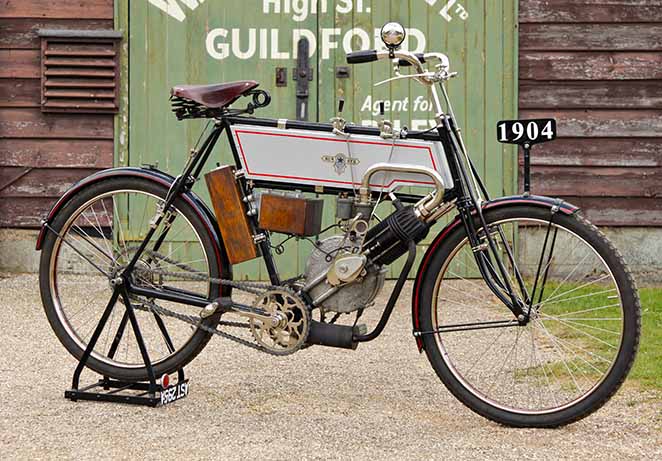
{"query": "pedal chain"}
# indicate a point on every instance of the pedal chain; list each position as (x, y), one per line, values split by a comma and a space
(196, 321)
(256, 288)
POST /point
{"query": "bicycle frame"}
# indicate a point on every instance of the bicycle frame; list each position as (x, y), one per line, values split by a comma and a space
(467, 201)
(185, 181)
(468, 192)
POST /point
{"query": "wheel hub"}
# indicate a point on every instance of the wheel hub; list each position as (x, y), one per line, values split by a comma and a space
(143, 273)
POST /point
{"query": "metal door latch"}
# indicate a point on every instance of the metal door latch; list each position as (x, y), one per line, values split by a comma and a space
(303, 74)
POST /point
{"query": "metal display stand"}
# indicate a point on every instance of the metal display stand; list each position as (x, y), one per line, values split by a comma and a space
(146, 393)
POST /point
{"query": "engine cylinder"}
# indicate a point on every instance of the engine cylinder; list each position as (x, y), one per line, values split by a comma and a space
(387, 241)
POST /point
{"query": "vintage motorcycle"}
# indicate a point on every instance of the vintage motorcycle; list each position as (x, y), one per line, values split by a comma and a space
(524, 309)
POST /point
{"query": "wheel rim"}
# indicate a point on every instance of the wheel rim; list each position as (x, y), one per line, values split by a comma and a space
(80, 292)
(563, 354)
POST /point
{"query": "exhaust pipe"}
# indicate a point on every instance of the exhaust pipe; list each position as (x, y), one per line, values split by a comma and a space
(331, 335)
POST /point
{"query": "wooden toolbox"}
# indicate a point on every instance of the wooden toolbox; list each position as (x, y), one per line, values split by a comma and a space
(291, 215)
(230, 213)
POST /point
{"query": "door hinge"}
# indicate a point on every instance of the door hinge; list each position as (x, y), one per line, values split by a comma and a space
(342, 72)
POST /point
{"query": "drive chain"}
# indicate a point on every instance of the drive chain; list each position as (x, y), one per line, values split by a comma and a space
(256, 288)
(197, 322)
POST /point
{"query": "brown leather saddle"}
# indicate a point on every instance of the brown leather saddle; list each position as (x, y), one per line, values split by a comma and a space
(214, 96)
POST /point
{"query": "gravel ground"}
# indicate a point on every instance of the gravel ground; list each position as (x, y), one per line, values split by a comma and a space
(381, 401)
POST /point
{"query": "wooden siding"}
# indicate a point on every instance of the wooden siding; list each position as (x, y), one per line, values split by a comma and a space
(597, 67)
(48, 152)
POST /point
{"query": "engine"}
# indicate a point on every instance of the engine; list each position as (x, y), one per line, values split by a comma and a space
(339, 255)
(345, 273)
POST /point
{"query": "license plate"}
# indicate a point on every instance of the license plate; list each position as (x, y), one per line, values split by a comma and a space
(175, 392)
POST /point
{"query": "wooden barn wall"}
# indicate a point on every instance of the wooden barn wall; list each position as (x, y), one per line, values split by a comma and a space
(597, 67)
(50, 151)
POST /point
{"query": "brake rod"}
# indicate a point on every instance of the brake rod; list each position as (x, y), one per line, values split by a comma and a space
(470, 326)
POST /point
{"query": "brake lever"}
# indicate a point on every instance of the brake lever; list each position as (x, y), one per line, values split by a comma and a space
(427, 75)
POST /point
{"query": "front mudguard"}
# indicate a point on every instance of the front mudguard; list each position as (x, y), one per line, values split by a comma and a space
(533, 200)
(164, 179)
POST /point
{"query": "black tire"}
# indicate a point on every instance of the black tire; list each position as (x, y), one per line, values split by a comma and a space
(631, 318)
(197, 341)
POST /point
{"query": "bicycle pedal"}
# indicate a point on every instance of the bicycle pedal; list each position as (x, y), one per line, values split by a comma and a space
(211, 308)
(360, 329)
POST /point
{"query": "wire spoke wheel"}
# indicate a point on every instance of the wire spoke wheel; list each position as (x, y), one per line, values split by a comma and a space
(580, 340)
(99, 234)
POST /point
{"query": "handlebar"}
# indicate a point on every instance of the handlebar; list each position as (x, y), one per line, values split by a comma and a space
(360, 57)
(411, 59)
(419, 56)
(405, 59)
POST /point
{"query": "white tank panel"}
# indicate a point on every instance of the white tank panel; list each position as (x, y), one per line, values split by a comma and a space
(328, 160)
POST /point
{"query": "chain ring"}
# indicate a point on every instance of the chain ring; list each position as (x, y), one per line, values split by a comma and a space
(292, 318)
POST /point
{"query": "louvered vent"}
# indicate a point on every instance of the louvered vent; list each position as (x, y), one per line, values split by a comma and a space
(79, 71)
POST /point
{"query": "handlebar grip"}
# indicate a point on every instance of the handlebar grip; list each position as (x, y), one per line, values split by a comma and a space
(359, 57)
(420, 56)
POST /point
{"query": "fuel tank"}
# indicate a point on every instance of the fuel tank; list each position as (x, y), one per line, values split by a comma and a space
(326, 159)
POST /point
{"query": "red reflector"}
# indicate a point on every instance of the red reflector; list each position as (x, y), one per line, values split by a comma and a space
(165, 381)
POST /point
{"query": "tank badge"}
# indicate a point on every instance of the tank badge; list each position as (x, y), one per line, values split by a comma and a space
(340, 162)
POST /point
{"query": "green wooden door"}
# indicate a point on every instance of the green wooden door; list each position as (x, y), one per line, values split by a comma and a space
(208, 41)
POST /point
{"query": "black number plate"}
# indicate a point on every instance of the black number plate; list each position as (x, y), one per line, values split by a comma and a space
(175, 392)
(526, 131)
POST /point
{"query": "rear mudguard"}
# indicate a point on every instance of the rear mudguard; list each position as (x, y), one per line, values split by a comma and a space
(533, 200)
(164, 179)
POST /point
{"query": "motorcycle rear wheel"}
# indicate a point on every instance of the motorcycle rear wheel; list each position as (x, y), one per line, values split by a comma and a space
(99, 236)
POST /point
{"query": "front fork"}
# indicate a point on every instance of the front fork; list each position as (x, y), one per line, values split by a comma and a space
(485, 253)
(500, 284)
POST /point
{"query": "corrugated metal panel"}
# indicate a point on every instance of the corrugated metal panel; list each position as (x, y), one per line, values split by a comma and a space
(224, 41)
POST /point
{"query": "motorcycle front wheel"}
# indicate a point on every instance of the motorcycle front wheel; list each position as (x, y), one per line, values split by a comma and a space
(582, 336)
(91, 240)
